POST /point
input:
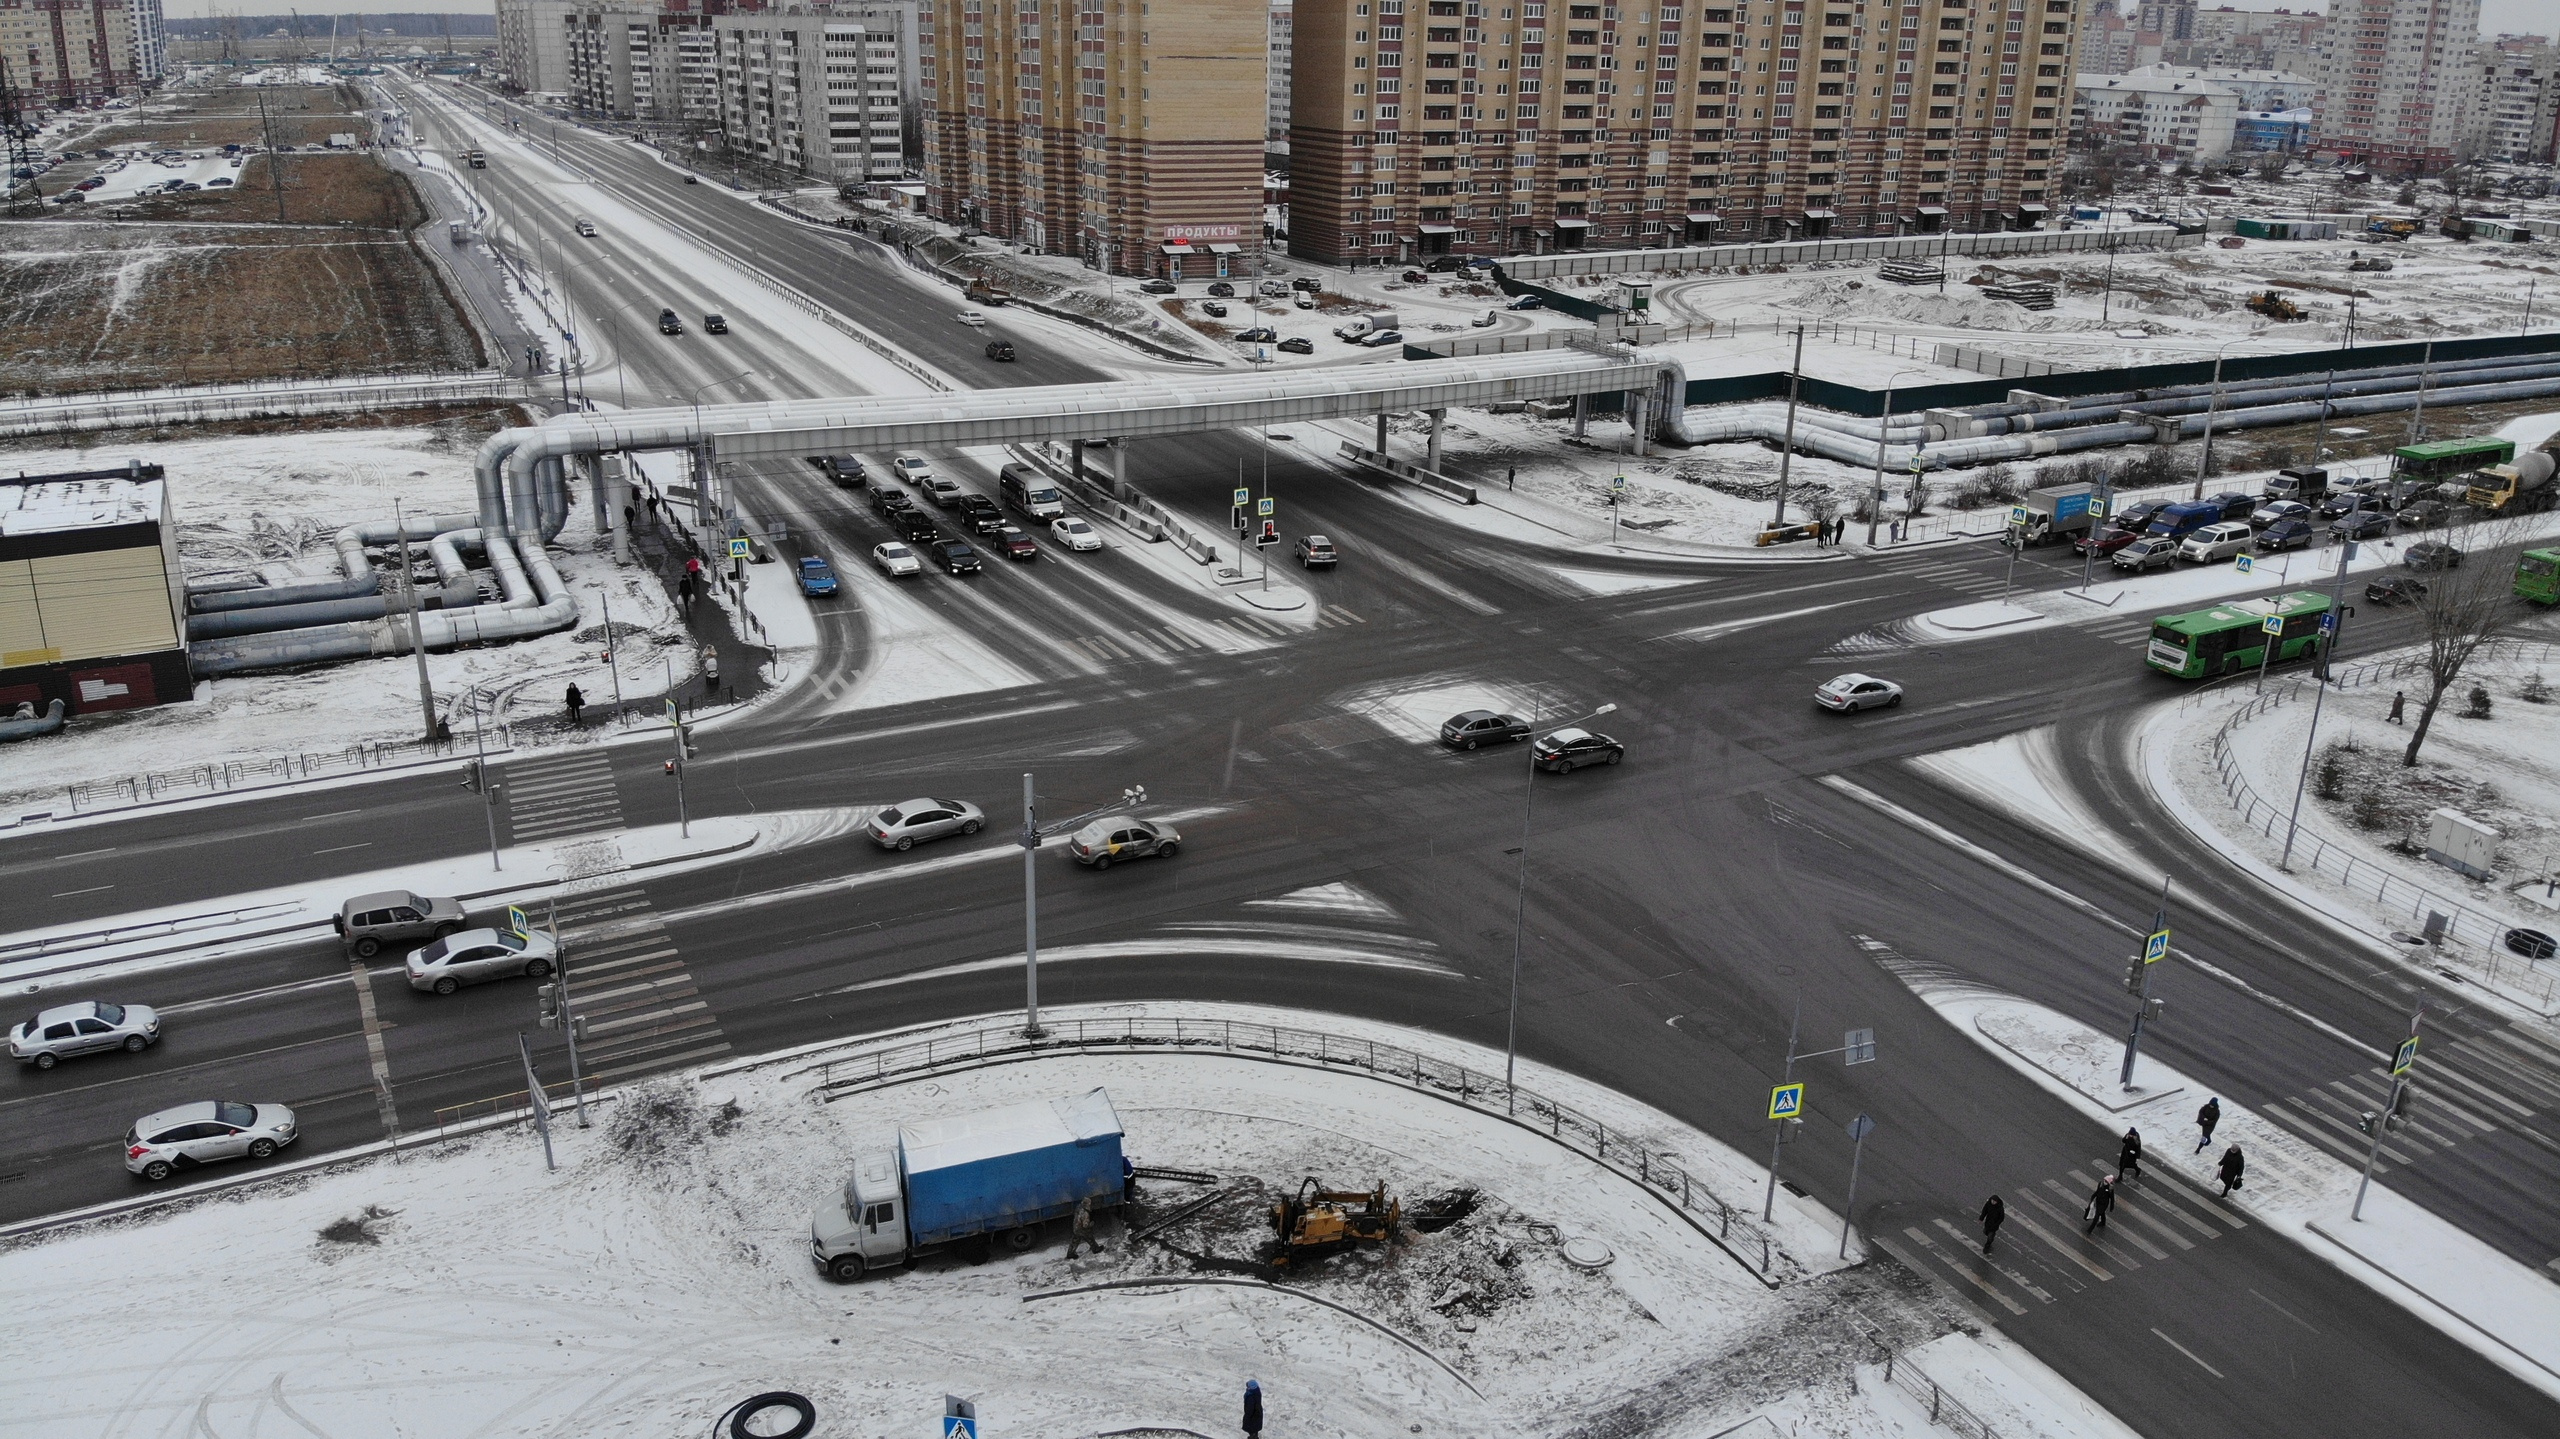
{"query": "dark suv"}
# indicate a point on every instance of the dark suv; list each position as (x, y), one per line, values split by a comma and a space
(845, 470)
(979, 514)
(889, 503)
(668, 324)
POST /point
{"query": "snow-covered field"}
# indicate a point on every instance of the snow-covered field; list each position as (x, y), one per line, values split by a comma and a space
(273, 504)
(661, 1275)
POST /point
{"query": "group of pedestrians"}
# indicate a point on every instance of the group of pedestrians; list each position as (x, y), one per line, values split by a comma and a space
(2233, 1168)
(1828, 533)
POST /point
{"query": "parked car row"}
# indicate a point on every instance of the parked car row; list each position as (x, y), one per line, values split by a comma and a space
(2219, 527)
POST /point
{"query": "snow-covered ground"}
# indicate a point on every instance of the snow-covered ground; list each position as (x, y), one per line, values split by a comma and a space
(272, 504)
(665, 1263)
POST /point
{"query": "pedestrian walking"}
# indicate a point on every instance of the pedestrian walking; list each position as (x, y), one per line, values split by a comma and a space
(2100, 1201)
(2234, 1165)
(1839, 530)
(2129, 1155)
(2399, 706)
(1993, 1211)
(1081, 1230)
(653, 509)
(693, 568)
(710, 670)
(630, 519)
(684, 592)
(2206, 1119)
(576, 702)
(1253, 1407)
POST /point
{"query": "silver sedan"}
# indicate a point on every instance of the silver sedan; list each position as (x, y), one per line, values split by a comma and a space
(88, 1027)
(902, 824)
(206, 1132)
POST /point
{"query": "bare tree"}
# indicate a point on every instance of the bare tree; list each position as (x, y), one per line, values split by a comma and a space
(2273, 167)
(2466, 610)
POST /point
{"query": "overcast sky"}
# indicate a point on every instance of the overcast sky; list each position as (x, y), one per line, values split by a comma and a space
(2495, 15)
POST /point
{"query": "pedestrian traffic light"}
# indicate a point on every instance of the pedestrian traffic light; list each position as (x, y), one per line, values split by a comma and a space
(471, 776)
(1270, 533)
(549, 1011)
(578, 1027)
(2133, 975)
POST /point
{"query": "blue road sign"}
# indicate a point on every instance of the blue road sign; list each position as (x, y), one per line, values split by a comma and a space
(2156, 948)
(2272, 624)
(1243, 497)
(741, 548)
(1262, 508)
(2407, 1056)
(1786, 1101)
(2243, 563)
(517, 921)
(2329, 623)
(958, 1426)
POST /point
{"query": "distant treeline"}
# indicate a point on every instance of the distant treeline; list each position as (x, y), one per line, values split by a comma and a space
(316, 26)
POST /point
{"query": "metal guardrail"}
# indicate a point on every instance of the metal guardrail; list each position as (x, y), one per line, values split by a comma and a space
(76, 413)
(151, 787)
(1585, 1134)
(1944, 1409)
(1980, 244)
(155, 929)
(2479, 938)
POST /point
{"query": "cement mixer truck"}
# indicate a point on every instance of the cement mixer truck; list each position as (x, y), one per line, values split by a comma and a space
(2523, 486)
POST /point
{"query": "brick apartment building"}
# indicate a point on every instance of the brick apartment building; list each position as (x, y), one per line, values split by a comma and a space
(68, 52)
(1099, 129)
(1489, 127)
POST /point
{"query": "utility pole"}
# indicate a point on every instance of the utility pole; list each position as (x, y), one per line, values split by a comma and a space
(675, 767)
(2320, 436)
(1859, 1129)
(480, 779)
(611, 663)
(1787, 447)
(2330, 625)
(2137, 982)
(417, 623)
(2418, 413)
(1778, 1124)
(275, 162)
(540, 1102)
(2389, 1119)
(1030, 912)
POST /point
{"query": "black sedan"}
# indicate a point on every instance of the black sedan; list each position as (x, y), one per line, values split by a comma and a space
(888, 502)
(1298, 345)
(999, 349)
(1567, 750)
(1157, 287)
(955, 556)
(2431, 555)
(2293, 532)
(1482, 727)
(2137, 518)
(1223, 290)
(2362, 525)
(1258, 335)
(2396, 590)
(2424, 515)
(2235, 505)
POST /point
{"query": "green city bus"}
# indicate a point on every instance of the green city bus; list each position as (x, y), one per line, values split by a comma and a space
(2438, 460)
(2538, 576)
(2231, 636)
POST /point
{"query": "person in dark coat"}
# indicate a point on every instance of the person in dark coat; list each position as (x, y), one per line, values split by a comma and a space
(2233, 1167)
(2206, 1119)
(2100, 1202)
(1253, 1406)
(576, 702)
(2129, 1156)
(2399, 706)
(1993, 1211)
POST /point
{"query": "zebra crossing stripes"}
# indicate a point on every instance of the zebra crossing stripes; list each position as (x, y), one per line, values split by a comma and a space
(2048, 1253)
(630, 985)
(1174, 642)
(560, 795)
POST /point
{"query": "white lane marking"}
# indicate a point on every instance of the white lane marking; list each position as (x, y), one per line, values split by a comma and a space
(374, 1050)
(2191, 1354)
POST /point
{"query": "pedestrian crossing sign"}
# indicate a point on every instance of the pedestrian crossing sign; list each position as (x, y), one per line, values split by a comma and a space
(2244, 563)
(1786, 1101)
(2407, 1056)
(517, 921)
(1243, 497)
(2156, 948)
(741, 548)
(959, 1426)
(2017, 514)
(2272, 624)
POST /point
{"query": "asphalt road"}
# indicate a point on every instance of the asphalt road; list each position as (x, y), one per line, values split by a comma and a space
(1680, 908)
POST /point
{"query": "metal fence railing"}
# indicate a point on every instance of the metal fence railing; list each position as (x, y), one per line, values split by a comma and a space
(1666, 1181)
(154, 929)
(2478, 939)
(1944, 1408)
(216, 777)
(1982, 244)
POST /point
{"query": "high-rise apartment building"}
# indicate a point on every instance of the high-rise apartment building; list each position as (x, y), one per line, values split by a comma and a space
(2511, 115)
(815, 92)
(533, 44)
(1284, 16)
(68, 51)
(2395, 82)
(1491, 127)
(150, 63)
(1100, 129)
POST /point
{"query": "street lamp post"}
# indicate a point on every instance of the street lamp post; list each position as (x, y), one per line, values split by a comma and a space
(1520, 908)
(702, 448)
(1033, 832)
(612, 660)
(2213, 407)
(1875, 511)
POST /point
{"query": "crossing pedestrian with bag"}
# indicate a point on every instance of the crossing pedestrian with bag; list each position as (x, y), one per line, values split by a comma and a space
(2234, 1165)
(1993, 1212)
(2100, 1203)
(2206, 1119)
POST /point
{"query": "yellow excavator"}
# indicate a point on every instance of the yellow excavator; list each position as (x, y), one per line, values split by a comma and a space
(2274, 306)
(1317, 1221)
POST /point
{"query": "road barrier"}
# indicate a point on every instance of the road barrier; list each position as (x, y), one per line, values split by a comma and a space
(2477, 939)
(1944, 1409)
(1666, 1182)
(199, 403)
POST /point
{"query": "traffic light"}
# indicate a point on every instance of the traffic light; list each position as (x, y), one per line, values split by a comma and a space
(2152, 1008)
(471, 775)
(549, 1011)
(1270, 533)
(2133, 975)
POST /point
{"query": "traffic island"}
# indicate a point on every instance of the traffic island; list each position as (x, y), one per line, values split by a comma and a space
(1531, 1288)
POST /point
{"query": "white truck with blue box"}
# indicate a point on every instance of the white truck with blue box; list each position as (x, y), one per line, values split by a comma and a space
(972, 1183)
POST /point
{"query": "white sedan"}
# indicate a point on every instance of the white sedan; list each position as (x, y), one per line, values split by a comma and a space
(911, 468)
(1858, 692)
(901, 825)
(971, 317)
(1074, 533)
(896, 560)
(202, 1133)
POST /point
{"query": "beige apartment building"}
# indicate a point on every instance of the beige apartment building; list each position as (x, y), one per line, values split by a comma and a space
(1490, 127)
(2396, 82)
(68, 52)
(1101, 129)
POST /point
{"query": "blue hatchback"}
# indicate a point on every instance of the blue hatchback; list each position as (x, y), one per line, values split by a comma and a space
(816, 578)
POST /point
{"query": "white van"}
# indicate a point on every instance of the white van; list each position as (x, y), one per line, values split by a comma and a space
(2216, 542)
(1028, 491)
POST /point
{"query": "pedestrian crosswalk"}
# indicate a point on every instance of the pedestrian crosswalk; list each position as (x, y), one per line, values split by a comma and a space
(2330, 1115)
(2132, 631)
(641, 1009)
(560, 795)
(2047, 1251)
(1954, 576)
(1177, 641)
